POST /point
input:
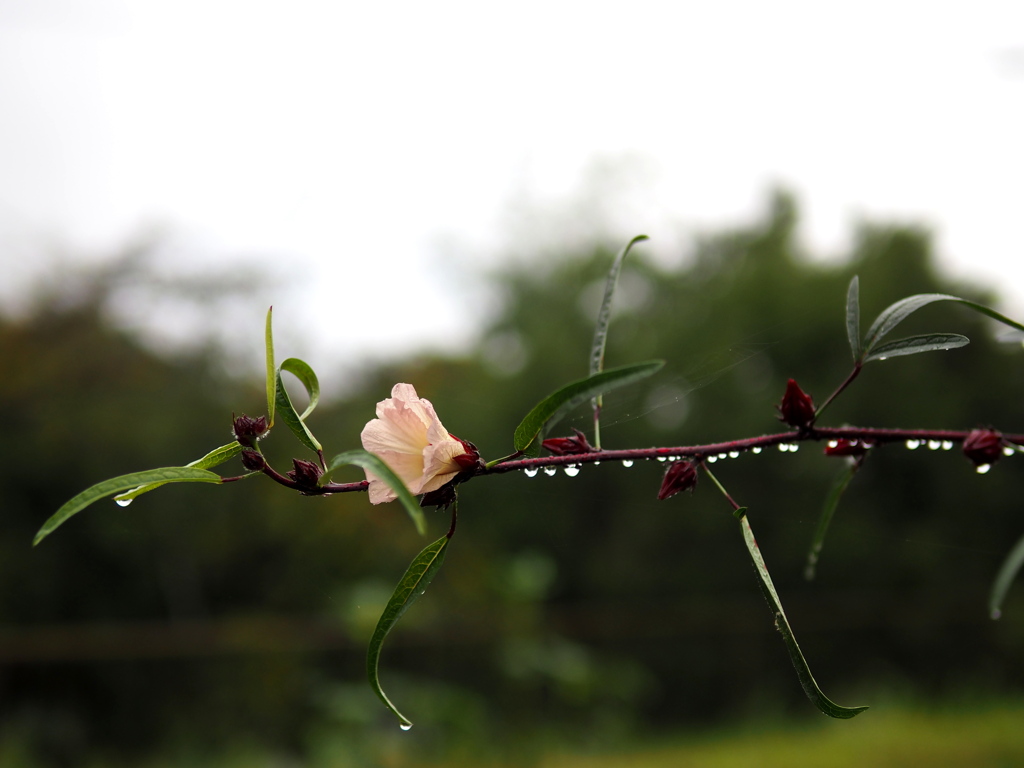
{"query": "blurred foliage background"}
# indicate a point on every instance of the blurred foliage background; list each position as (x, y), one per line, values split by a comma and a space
(570, 611)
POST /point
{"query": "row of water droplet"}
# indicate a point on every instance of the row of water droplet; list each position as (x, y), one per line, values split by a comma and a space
(946, 445)
(574, 469)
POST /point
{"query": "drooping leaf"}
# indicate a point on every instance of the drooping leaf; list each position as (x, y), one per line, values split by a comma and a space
(831, 503)
(853, 317)
(297, 422)
(548, 412)
(604, 315)
(894, 314)
(122, 483)
(803, 671)
(268, 335)
(416, 579)
(367, 460)
(1007, 573)
(213, 459)
(912, 345)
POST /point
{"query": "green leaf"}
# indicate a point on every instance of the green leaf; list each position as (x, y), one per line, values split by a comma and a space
(296, 421)
(1007, 573)
(604, 316)
(853, 317)
(803, 672)
(912, 345)
(271, 369)
(367, 460)
(213, 459)
(121, 483)
(831, 503)
(894, 314)
(416, 579)
(548, 412)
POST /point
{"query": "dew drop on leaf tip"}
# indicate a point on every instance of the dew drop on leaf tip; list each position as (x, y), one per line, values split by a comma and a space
(122, 502)
(405, 726)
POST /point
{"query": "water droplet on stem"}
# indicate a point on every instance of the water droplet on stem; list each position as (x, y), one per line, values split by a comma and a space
(530, 471)
(627, 463)
(982, 469)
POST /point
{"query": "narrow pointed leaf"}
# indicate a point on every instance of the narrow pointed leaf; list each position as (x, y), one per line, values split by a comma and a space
(912, 345)
(416, 579)
(296, 421)
(213, 459)
(831, 503)
(1007, 573)
(374, 464)
(604, 316)
(853, 317)
(271, 368)
(122, 483)
(548, 412)
(894, 314)
(803, 671)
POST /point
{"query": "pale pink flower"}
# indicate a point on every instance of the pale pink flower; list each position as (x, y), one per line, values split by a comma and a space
(412, 441)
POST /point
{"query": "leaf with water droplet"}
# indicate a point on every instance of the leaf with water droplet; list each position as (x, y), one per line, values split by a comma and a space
(369, 461)
(417, 577)
(803, 671)
(297, 422)
(122, 483)
(913, 345)
(831, 503)
(530, 432)
(895, 313)
(853, 317)
(1007, 573)
(213, 459)
(604, 316)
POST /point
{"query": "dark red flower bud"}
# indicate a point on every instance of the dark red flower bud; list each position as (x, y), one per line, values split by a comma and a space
(306, 474)
(797, 407)
(844, 447)
(471, 458)
(253, 460)
(442, 498)
(566, 446)
(248, 429)
(983, 446)
(681, 476)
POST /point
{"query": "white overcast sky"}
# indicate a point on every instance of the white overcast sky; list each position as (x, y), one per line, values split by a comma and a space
(373, 148)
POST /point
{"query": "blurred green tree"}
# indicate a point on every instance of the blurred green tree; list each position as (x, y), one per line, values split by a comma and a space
(575, 604)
